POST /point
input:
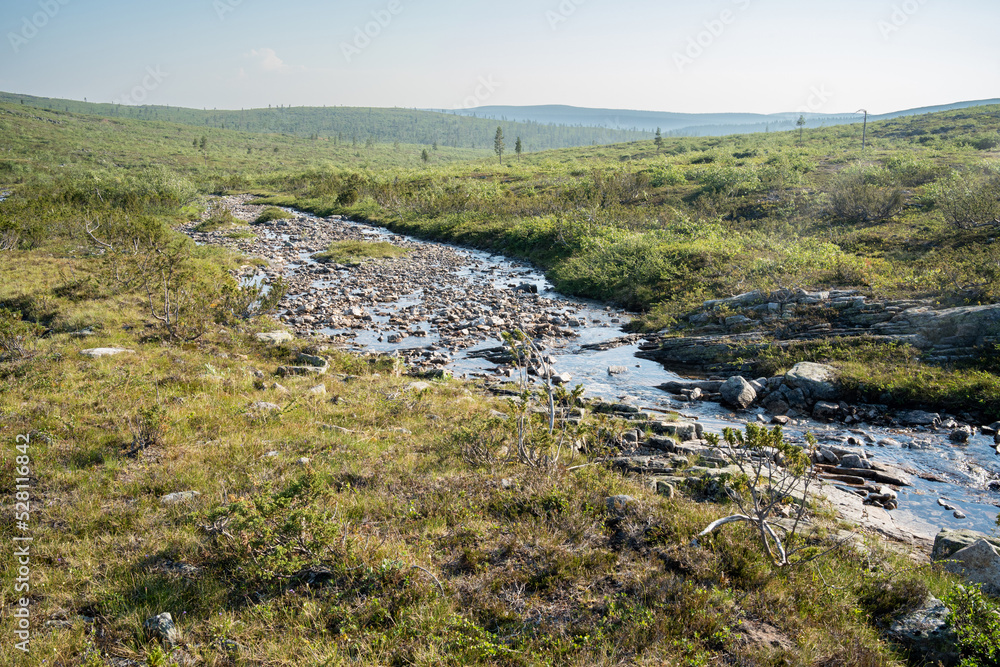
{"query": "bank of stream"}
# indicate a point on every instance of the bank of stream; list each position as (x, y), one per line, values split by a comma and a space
(443, 308)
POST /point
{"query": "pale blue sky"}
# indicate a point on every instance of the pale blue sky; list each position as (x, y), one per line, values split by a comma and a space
(754, 55)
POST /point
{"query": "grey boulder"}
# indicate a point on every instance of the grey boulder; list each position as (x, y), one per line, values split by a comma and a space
(978, 563)
(162, 627)
(817, 381)
(926, 634)
(948, 542)
(737, 392)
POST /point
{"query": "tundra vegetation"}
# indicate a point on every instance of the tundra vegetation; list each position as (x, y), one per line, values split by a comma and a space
(376, 521)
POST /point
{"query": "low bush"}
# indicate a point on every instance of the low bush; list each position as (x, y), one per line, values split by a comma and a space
(219, 217)
(865, 194)
(17, 337)
(272, 213)
(970, 199)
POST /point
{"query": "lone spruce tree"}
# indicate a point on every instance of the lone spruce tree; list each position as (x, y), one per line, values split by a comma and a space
(658, 140)
(498, 144)
(518, 148)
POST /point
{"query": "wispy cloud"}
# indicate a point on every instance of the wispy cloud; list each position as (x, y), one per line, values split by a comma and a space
(267, 60)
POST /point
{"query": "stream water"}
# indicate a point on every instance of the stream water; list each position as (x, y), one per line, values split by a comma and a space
(964, 471)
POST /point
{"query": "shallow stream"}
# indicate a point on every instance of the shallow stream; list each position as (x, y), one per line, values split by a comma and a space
(964, 470)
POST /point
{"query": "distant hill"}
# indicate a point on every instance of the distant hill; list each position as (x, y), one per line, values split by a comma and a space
(355, 125)
(687, 124)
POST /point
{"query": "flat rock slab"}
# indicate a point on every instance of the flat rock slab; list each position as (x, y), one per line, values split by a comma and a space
(285, 371)
(178, 497)
(676, 386)
(274, 337)
(418, 386)
(918, 418)
(97, 352)
(894, 525)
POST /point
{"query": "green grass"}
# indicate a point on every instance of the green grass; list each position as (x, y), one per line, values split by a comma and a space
(355, 252)
(423, 555)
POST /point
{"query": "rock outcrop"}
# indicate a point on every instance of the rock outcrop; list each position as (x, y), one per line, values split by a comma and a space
(807, 388)
(722, 331)
(948, 542)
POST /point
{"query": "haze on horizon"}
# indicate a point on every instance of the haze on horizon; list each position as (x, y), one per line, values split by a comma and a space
(761, 56)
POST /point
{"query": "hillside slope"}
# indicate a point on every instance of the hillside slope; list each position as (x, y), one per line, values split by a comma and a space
(352, 126)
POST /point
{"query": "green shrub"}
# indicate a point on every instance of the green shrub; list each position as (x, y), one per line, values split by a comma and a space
(970, 199)
(243, 302)
(729, 179)
(910, 171)
(865, 194)
(669, 174)
(976, 621)
(982, 142)
(17, 337)
(220, 216)
(350, 191)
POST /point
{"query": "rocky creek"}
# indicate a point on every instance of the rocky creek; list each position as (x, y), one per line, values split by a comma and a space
(442, 309)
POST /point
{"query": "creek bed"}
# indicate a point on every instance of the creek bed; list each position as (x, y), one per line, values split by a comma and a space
(412, 298)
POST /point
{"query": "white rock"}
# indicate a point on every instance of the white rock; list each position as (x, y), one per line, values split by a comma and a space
(178, 497)
(418, 386)
(274, 336)
(96, 352)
